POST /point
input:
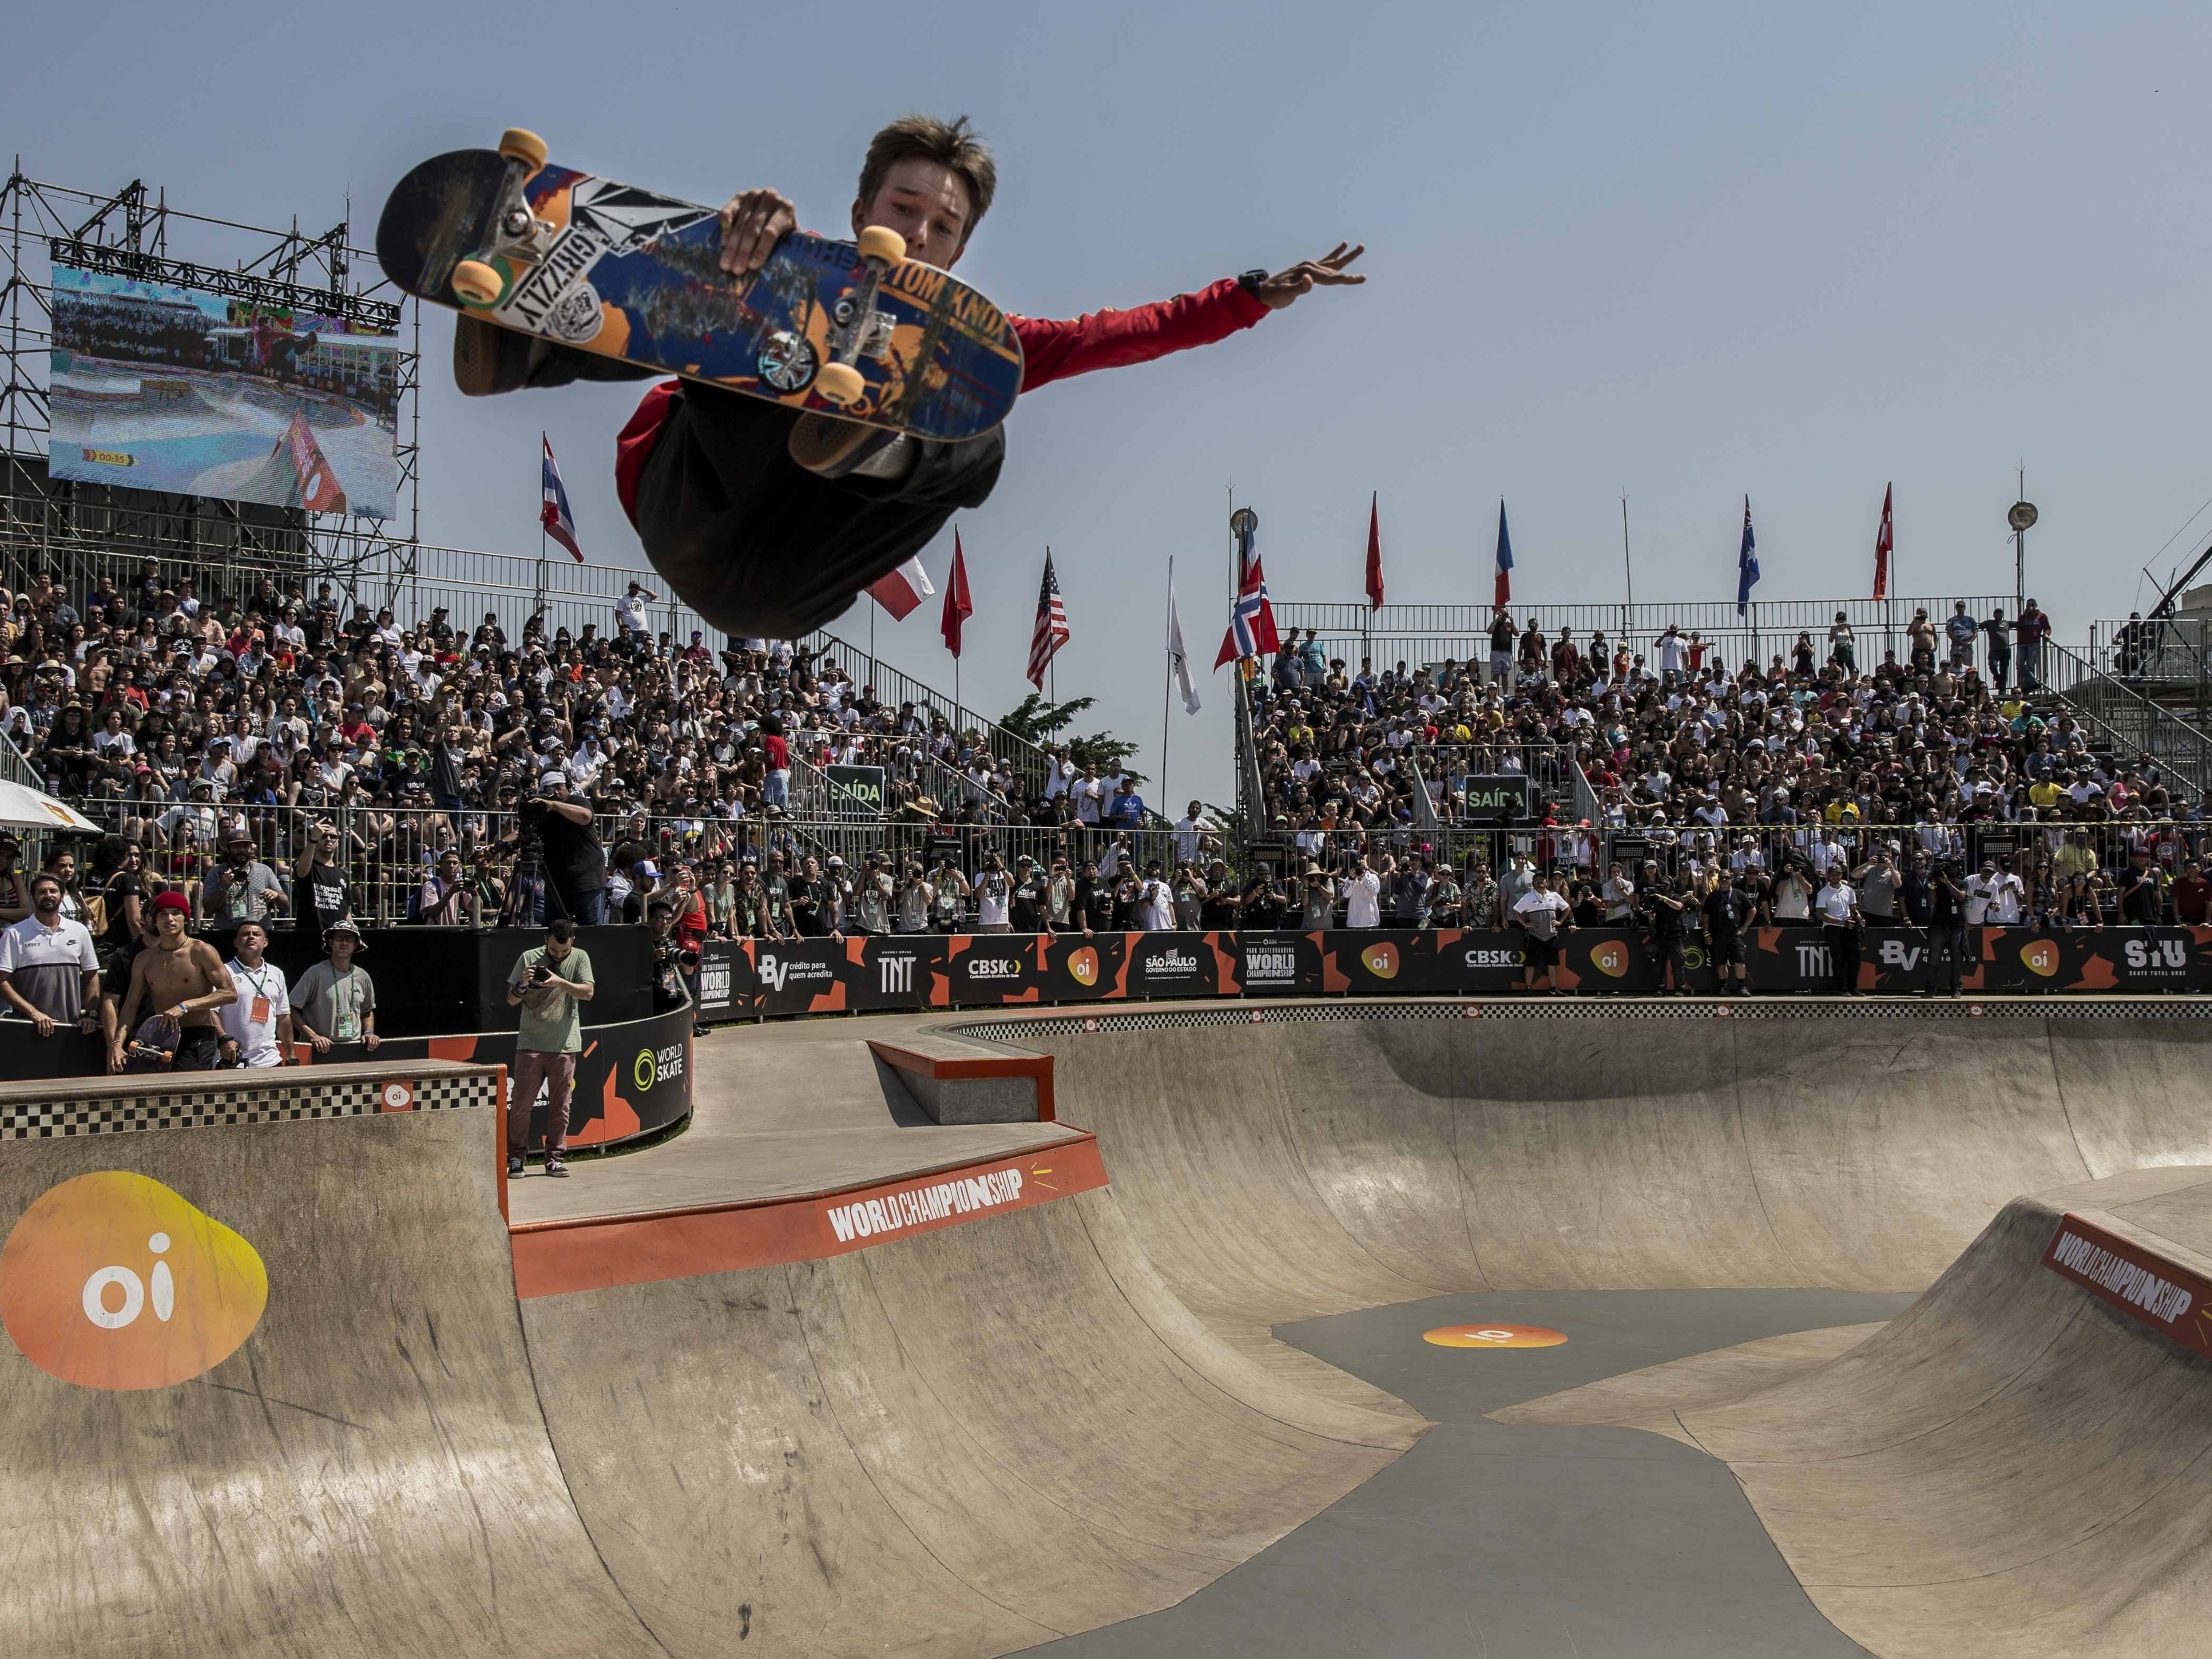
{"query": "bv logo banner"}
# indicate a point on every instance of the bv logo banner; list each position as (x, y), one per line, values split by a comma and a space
(111, 1280)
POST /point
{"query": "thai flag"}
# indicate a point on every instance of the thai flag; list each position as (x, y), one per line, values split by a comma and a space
(560, 524)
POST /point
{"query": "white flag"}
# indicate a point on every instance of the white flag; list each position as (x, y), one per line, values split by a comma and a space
(1178, 660)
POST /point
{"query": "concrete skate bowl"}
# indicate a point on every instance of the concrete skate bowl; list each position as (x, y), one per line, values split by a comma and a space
(2013, 1468)
(967, 1440)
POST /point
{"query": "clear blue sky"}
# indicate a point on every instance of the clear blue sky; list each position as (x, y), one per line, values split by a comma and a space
(1691, 252)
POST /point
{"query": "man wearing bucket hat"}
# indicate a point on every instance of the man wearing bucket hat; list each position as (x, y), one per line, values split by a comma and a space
(335, 1000)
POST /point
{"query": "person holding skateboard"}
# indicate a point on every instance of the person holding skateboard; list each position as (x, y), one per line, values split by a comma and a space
(186, 981)
(768, 522)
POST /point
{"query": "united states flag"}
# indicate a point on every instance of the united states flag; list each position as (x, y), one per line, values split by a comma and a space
(1051, 625)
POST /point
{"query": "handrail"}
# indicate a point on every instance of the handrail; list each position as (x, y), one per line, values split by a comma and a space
(2128, 717)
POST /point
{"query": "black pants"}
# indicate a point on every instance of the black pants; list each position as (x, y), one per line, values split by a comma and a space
(1666, 953)
(2000, 666)
(1843, 957)
(753, 541)
(1948, 945)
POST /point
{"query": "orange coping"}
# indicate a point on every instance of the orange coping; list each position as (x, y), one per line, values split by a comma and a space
(1039, 1066)
(553, 1258)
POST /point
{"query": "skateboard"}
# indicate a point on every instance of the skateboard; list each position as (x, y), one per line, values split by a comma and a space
(852, 330)
(153, 1045)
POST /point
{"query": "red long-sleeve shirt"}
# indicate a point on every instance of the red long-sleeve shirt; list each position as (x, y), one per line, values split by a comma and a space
(1051, 350)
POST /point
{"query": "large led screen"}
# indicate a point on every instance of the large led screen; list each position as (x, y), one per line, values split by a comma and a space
(159, 386)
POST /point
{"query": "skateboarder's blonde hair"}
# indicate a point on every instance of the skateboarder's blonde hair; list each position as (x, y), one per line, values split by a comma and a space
(953, 145)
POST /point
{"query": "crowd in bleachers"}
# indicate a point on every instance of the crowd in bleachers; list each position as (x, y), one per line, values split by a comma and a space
(174, 715)
(1813, 756)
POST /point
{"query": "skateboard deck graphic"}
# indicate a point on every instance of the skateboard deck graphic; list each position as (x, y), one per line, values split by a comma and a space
(631, 275)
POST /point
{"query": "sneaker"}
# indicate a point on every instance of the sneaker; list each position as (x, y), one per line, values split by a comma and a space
(513, 1165)
(488, 359)
(553, 1166)
(830, 448)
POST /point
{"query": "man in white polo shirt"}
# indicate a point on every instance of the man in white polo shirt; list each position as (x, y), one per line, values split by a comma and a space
(256, 1026)
(49, 970)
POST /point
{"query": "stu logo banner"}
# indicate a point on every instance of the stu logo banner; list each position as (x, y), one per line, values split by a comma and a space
(111, 1280)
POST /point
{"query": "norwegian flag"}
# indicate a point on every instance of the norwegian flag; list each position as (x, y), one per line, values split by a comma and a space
(1251, 619)
(560, 524)
(1051, 632)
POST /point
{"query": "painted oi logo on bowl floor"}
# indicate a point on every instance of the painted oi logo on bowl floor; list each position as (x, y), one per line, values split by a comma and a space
(111, 1280)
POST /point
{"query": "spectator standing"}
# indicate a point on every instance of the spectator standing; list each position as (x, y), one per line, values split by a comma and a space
(1663, 915)
(448, 898)
(2030, 629)
(1026, 907)
(258, 1025)
(2142, 890)
(1840, 922)
(1155, 906)
(15, 889)
(1998, 633)
(1362, 890)
(576, 863)
(1725, 913)
(2191, 893)
(1317, 901)
(49, 970)
(1539, 913)
(549, 984)
(321, 896)
(1960, 627)
(1947, 928)
(335, 1000)
(128, 902)
(1190, 833)
(994, 891)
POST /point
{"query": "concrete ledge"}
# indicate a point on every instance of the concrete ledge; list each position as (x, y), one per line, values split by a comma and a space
(956, 1083)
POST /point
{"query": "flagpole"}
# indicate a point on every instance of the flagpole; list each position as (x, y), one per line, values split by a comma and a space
(537, 599)
(1167, 686)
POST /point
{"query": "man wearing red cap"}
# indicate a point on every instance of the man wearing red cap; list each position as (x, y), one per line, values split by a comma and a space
(185, 982)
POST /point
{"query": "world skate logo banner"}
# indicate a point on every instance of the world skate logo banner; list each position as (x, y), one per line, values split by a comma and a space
(2170, 1299)
(157, 386)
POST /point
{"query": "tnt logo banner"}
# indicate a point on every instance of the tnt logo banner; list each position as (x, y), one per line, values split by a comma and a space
(112, 1280)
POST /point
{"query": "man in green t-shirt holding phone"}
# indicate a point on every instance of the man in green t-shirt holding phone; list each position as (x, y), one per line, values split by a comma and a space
(549, 984)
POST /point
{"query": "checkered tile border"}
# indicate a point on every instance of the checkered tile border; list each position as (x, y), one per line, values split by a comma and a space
(1588, 1008)
(205, 1108)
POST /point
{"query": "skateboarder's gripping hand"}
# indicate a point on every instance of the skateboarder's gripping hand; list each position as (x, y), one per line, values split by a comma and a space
(753, 222)
(1276, 291)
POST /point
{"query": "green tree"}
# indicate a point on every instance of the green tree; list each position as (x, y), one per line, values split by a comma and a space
(1043, 722)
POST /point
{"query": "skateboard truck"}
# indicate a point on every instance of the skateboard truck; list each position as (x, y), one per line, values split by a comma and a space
(517, 234)
(862, 330)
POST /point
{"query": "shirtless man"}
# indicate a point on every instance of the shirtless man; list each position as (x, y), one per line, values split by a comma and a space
(768, 522)
(183, 978)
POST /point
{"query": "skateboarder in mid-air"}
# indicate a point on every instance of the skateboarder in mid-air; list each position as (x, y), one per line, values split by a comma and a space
(769, 522)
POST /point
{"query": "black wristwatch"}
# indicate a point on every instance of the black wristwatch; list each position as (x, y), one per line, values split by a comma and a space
(1250, 281)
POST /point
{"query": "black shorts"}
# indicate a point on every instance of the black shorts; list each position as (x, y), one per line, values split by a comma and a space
(1539, 952)
(199, 1048)
(1724, 948)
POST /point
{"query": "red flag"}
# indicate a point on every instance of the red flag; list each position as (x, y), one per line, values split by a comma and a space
(1885, 543)
(958, 610)
(1375, 554)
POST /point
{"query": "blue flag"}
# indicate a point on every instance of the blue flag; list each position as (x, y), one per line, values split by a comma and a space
(1746, 563)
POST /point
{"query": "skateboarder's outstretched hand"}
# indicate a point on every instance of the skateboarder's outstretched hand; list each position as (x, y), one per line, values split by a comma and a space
(1285, 286)
(753, 222)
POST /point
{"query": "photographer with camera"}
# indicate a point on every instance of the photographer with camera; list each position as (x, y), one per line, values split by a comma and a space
(558, 832)
(551, 983)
